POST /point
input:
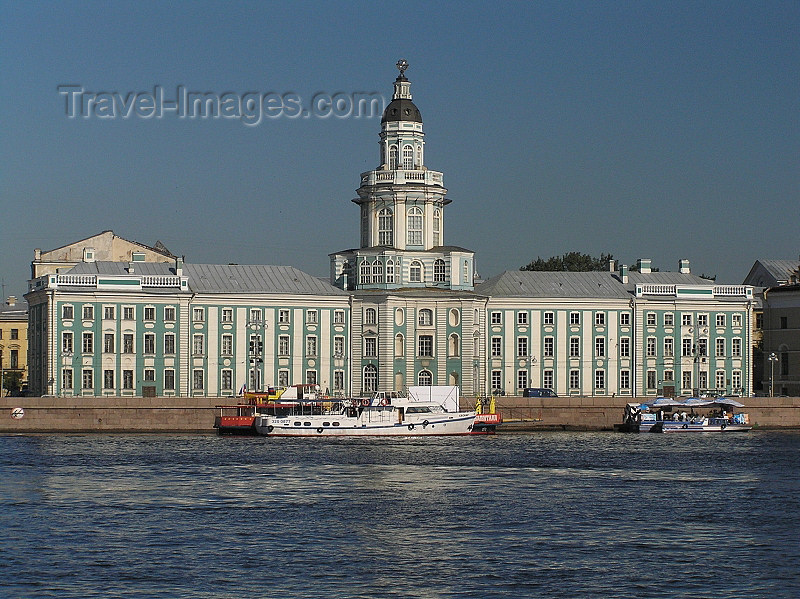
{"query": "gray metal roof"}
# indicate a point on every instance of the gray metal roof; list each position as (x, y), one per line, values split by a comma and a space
(224, 278)
(780, 269)
(597, 284)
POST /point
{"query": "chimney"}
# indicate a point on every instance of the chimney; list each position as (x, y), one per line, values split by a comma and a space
(12, 300)
(179, 266)
(683, 265)
(131, 268)
(623, 273)
(644, 265)
(612, 265)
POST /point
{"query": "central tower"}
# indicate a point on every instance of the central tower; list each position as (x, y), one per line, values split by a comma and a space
(402, 206)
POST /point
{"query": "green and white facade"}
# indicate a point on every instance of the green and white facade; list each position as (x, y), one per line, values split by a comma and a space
(401, 309)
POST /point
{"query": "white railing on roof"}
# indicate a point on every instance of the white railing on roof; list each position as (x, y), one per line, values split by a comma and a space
(657, 289)
(401, 176)
(161, 281)
(730, 290)
(82, 280)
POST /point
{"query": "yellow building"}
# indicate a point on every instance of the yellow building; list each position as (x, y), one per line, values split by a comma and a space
(14, 345)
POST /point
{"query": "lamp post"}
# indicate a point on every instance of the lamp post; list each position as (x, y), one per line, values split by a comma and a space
(772, 359)
(256, 350)
(2, 372)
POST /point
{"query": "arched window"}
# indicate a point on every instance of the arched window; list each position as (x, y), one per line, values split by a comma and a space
(425, 378)
(437, 223)
(390, 271)
(370, 378)
(438, 271)
(392, 157)
(455, 317)
(370, 316)
(364, 274)
(454, 346)
(385, 228)
(415, 226)
(466, 272)
(377, 272)
(419, 157)
(408, 158)
(399, 345)
(425, 317)
(415, 272)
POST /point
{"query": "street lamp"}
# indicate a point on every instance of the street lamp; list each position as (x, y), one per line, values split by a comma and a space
(772, 359)
(2, 372)
(256, 350)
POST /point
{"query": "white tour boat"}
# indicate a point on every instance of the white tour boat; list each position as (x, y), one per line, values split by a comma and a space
(381, 415)
(655, 416)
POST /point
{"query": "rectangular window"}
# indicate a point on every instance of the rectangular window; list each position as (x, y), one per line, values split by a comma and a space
(312, 317)
(651, 347)
(522, 318)
(522, 379)
(128, 313)
(625, 347)
(338, 380)
(702, 347)
(108, 379)
(651, 319)
(149, 375)
(169, 379)
(600, 347)
(149, 313)
(669, 375)
(169, 314)
(311, 345)
(338, 317)
(549, 347)
(686, 320)
(574, 317)
(149, 343)
(497, 344)
(736, 348)
(88, 312)
(686, 347)
(371, 347)
(719, 381)
(625, 319)
(14, 359)
(599, 379)
(283, 316)
(736, 380)
(169, 343)
(127, 343)
(108, 343)
(600, 318)
(669, 347)
(66, 342)
(283, 378)
(198, 345)
(66, 379)
(574, 379)
(624, 379)
(549, 318)
(720, 320)
(547, 379)
(255, 315)
(426, 345)
(88, 343)
(736, 320)
(522, 346)
(669, 319)
(651, 379)
(686, 379)
(87, 379)
(497, 318)
(226, 381)
(227, 345)
(338, 347)
(198, 315)
(127, 379)
(227, 315)
(283, 345)
(198, 380)
(574, 347)
(720, 344)
(14, 333)
(702, 320)
(497, 380)
(311, 377)
(67, 313)
(108, 312)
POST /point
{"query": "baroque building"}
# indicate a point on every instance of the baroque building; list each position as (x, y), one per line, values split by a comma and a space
(401, 309)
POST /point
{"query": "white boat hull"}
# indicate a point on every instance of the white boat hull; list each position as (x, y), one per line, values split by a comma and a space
(369, 423)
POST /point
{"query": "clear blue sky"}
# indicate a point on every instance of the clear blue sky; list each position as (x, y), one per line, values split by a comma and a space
(662, 130)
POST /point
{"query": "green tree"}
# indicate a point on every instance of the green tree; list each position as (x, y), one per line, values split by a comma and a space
(571, 262)
(12, 380)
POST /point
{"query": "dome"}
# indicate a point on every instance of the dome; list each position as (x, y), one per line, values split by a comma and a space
(401, 109)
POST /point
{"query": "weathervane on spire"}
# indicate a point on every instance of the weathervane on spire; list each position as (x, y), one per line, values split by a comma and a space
(402, 65)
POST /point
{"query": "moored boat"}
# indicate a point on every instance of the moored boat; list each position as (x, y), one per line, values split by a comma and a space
(665, 415)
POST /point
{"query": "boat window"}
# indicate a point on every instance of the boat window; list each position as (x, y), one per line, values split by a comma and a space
(335, 424)
(297, 424)
(418, 410)
(326, 424)
(306, 424)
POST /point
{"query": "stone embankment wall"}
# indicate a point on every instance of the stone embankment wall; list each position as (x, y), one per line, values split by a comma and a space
(185, 414)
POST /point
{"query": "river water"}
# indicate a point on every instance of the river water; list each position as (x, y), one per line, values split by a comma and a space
(511, 515)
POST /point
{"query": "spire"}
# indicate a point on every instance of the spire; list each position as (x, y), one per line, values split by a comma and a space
(402, 86)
